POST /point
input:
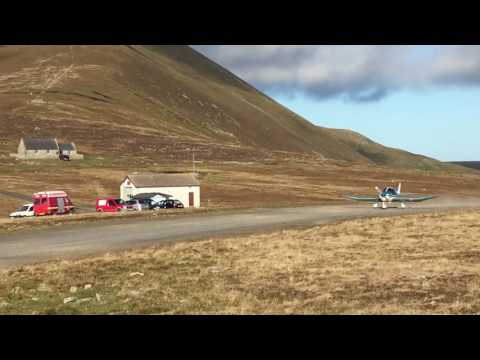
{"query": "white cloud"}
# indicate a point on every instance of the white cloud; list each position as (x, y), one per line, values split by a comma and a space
(359, 73)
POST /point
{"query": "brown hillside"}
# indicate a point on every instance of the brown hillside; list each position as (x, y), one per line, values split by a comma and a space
(159, 99)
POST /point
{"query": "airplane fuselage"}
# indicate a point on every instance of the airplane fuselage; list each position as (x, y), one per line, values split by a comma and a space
(388, 195)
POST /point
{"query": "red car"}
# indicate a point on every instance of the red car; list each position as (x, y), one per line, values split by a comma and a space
(109, 205)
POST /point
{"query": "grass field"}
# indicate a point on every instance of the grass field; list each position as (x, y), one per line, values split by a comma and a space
(276, 182)
(413, 264)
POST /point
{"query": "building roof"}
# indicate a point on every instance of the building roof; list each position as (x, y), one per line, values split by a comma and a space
(163, 180)
(66, 147)
(40, 144)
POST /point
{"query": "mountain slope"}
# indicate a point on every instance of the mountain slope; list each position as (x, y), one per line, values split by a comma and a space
(160, 99)
(379, 154)
(475, 165)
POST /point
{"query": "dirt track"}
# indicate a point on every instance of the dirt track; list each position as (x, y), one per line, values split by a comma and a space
(87, 239)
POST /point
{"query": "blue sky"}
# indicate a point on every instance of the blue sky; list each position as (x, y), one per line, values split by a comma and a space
(443, 124)
(420, 98)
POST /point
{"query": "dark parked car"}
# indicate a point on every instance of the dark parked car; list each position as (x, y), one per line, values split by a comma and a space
(178, 204)
(170, 204)
(152, 199)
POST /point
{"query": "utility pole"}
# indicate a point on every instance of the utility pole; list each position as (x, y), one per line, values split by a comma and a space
(193, 161)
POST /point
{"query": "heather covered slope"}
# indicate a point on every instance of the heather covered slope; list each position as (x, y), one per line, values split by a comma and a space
(160, 100)
(468, 164)
(381, 155)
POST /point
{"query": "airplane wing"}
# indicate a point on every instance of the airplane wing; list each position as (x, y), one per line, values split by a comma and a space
(364, 198)
(413, 199)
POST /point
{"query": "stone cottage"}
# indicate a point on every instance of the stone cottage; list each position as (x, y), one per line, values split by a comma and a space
(45, 148)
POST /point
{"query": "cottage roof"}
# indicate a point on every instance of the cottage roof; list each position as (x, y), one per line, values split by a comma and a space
(40, 144)
(163, 180)
(66, 147)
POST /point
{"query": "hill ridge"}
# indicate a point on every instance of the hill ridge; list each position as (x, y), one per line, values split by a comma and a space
(122, 91)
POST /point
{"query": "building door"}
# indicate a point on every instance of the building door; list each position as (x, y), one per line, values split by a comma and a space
(191, 199)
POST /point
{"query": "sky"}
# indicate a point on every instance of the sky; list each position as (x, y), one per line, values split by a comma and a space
(420, 98)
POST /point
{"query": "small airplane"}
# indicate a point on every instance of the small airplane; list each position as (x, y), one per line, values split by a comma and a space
(390, 195)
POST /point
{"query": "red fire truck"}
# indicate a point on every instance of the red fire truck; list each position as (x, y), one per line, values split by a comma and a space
(52, 203)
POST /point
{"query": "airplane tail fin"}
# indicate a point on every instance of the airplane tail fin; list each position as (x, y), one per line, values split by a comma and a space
(399, 191)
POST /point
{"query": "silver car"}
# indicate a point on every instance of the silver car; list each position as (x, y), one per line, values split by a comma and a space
(137, 205)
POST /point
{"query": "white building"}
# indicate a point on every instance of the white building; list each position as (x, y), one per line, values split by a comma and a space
(182, 187)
